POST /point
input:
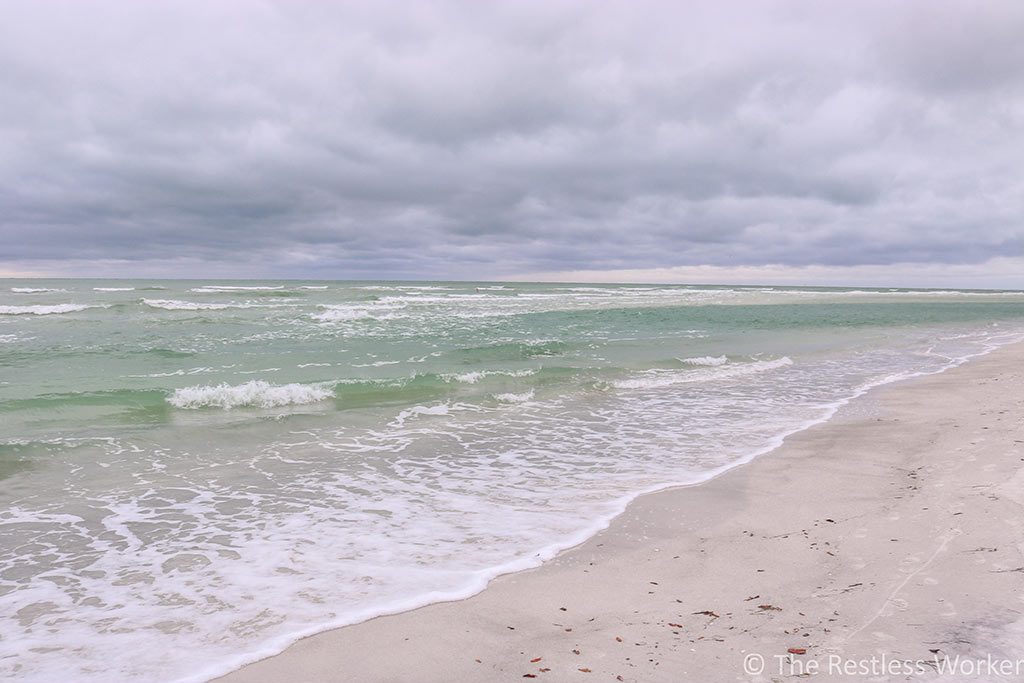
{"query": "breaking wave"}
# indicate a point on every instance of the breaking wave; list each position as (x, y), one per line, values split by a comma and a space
(342, 313)
(705, 360)
(34, 290)
(254, 394)
(514, 398)
(176, 305)
(476, 376)
(43, 310)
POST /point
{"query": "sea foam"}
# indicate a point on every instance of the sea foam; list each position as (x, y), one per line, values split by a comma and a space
(254, 394)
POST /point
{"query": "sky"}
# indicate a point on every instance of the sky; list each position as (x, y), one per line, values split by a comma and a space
(860, 143)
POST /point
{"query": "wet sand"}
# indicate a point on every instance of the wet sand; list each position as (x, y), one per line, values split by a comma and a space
(891, 534)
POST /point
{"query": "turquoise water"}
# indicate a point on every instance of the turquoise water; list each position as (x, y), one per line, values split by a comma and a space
(219, 467)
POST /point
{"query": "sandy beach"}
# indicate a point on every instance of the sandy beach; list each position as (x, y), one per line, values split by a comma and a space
(881, 545)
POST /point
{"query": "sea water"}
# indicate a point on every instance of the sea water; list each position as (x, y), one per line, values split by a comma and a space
(195, 474)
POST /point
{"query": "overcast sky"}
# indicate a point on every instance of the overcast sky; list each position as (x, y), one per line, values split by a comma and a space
(868, 143)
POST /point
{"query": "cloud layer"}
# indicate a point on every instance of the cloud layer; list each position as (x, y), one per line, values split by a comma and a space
(478, 140)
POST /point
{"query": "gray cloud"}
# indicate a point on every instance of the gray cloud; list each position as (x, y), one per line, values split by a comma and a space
(480, 140)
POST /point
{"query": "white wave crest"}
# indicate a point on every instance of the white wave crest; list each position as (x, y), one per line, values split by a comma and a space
(514, 398)
(376, 364)
(43, 310)
(175, 305)
(113, 289)
(233, 288)
(342, 313)
(313, 287)
(654, 379)
(705, 360)
(256, 394)
(34, 290)
(477, 375)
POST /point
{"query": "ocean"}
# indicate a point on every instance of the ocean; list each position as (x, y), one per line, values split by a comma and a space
(195, 474)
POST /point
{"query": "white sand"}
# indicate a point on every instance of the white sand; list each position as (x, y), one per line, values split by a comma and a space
(891, 531)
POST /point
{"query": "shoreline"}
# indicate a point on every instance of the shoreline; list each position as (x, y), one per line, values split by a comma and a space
(370, 650)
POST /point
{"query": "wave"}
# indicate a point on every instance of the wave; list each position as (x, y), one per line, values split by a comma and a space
(513, 350)
(34, 290)
(654, 379)
(235, 288)
(343, 313)
(440, 409)
(113, 289)
(477, 375)
(705, 360)
(54, 309)
(313, 287)
(513, 397)
(176, 305)
(254, 394)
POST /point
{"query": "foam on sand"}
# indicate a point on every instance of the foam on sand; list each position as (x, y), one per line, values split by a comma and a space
(254, 394)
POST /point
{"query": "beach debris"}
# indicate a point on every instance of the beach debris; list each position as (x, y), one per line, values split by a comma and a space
(797, 650)
(529, 675)
(575, 652)
(769, 608)
(708, 613)
(618, 639)
(619, 678)
(675, 625)
(564, 609)
(543, 669)
(585, 670)
(535, 660)
(752, 597)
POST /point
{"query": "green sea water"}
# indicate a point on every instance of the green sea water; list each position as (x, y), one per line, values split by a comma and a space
(220, 467)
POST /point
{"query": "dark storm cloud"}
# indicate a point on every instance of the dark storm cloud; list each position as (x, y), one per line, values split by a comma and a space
(481, 140)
